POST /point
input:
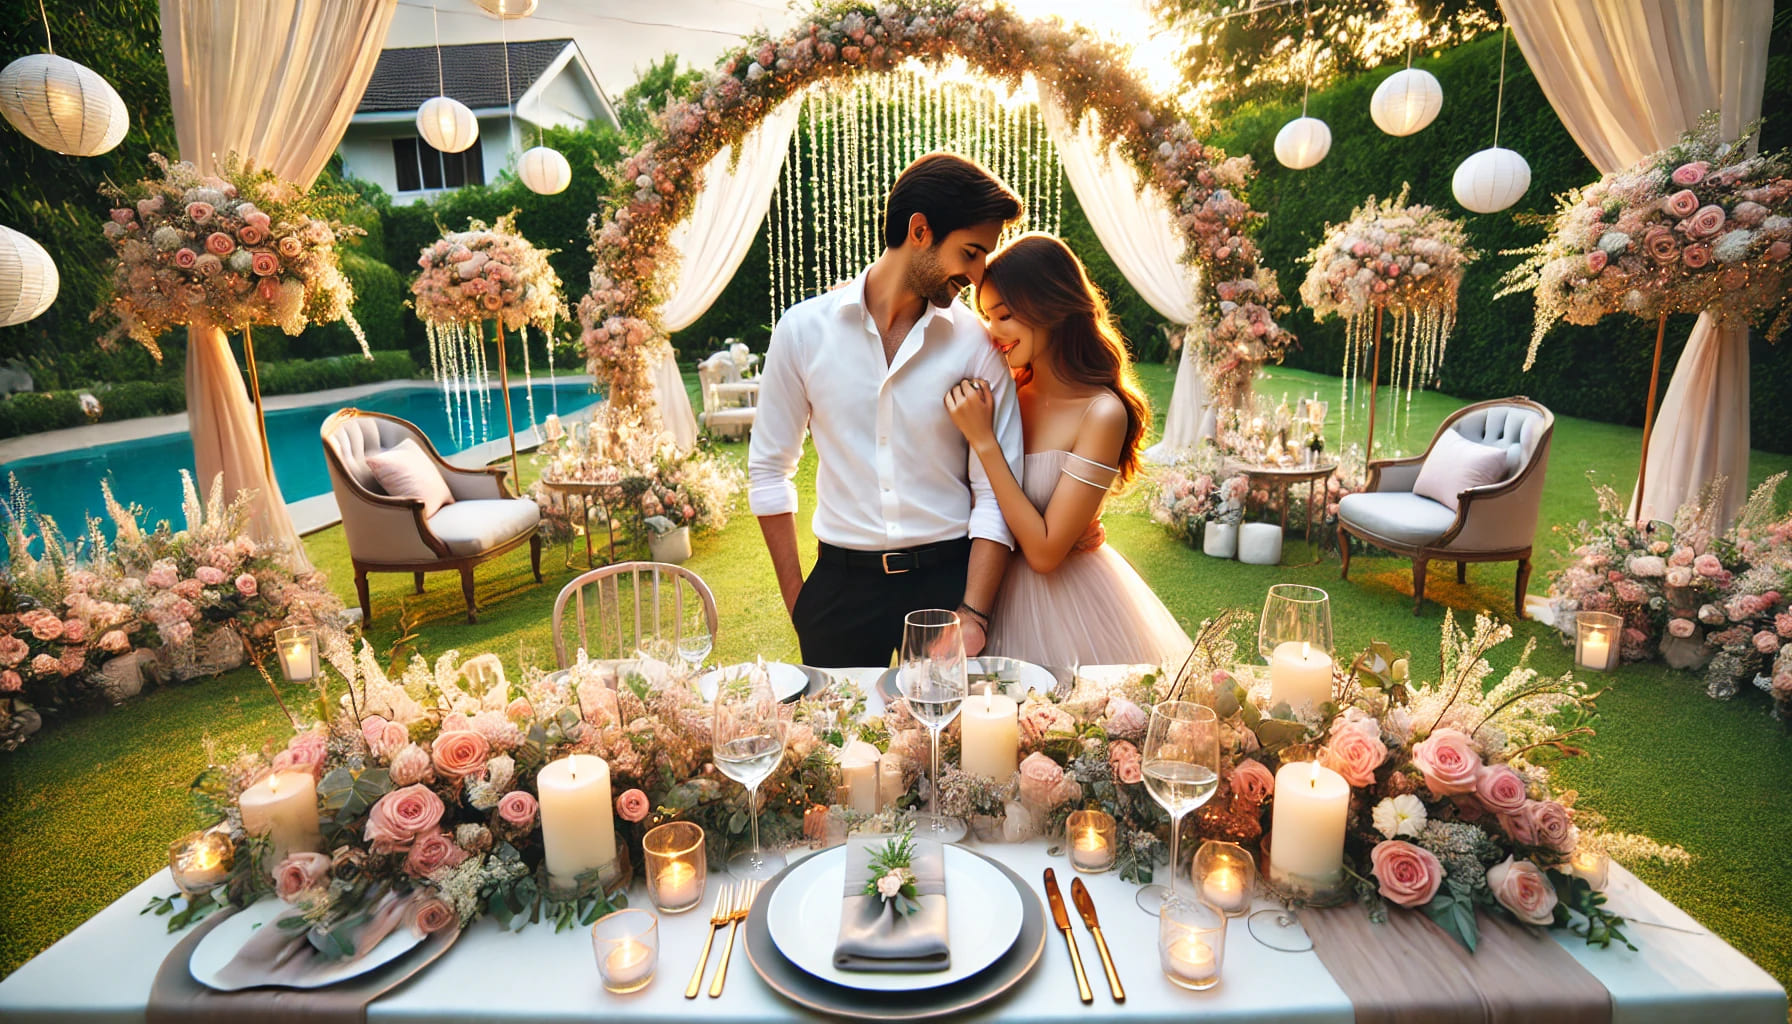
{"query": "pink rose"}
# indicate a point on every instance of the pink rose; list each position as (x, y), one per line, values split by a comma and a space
(1252, 782)
(199, 213)
(1500, 788)
(398, 817)
(1779, 250)
(1355, 755)
(460, 754)
(430, 914)
(1782, 624)
(1681, 628)
(1692, 173)
(386, 739)
(12, 650)
(1039, 778)
(1681, 204)
(209, 575)
(519, 708)
(185, 258)
(1448, 761)
(633, 805)
(48, 628)
(299, 872)
(518, 808)
(10, 682)
(290, 246)
(1696, 255)
(264, 263)
(1681, 556)
(1680, 576)
(1767, 642)
(431, 853)
(249, 234)
(304, 753)
(1524, 890)
(245, 585)
(1125, 761)
(411, 765)
(1707, 565)
(1660, 244)
(189, 589)
(45, 665)
(1596, 261)
(1551, 825)
(219, 244)
(1409, 875)
(1705, 223)
(259, 220)
(74, 631)
(1042, 719)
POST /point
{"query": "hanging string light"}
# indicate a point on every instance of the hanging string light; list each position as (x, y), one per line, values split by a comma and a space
(1493, 179)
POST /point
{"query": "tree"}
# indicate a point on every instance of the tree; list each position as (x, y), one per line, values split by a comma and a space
(660, 83)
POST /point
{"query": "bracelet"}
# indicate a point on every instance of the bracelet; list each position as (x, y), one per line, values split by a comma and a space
(981, 618)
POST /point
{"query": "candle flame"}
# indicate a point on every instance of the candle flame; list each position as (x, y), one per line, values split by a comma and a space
(1313, 775)
(274, 783)
(1306, 650)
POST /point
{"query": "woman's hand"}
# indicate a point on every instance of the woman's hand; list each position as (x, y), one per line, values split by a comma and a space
(972, 407)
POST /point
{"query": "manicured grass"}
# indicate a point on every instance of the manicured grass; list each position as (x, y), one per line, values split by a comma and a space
(88, 807)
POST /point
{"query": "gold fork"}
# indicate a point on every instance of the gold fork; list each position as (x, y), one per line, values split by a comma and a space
(748, 891)
(723, 911)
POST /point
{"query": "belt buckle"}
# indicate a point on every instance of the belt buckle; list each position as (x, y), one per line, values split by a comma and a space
(888, 571)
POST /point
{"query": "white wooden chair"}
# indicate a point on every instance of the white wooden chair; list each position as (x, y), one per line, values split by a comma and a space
(728, 408)
(629, 602)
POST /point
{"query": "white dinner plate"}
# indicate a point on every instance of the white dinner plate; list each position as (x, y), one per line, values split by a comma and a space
(983, 919)
(787, 680)
(222, 944)
(1027, 676)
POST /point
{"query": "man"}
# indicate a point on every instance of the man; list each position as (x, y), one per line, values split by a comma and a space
(904, 514)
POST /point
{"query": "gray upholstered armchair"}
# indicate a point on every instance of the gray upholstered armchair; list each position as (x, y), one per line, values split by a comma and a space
(1495, 522)
(391, 534)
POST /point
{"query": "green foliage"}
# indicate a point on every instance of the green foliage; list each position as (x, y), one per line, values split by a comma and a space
(661, 82)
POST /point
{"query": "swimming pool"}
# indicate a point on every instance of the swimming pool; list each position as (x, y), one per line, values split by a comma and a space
(66, 485)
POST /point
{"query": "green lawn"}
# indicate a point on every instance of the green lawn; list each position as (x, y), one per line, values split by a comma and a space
(88, 807)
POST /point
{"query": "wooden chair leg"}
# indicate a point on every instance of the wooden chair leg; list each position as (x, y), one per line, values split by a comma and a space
(1462, 572)
(366, 602)
(1344, 551)
(1418, 583)
(417, 581)
(1524, 578)
(466, 589)
(535, 556)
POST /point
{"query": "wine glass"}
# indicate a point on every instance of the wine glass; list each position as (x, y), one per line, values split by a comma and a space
(747, 742)
(1181, 762)
(932, 679)
(694, 643)
(1295, 614)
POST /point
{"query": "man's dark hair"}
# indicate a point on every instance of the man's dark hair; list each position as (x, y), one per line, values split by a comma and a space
(951, 192)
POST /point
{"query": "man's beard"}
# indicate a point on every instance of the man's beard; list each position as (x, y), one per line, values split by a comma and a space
(929, 280)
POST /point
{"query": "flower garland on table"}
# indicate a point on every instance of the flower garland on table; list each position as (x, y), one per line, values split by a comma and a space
(1693, 596)
(655, 188)
(237, 249)
(1700, 226)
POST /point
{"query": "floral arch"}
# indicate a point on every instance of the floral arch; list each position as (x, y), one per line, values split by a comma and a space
(656, 187)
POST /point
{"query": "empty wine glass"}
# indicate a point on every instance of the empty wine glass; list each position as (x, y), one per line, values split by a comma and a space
(747, 742)
(1181, 762)
(694, 644)
(1295, 614)
(659, 648)
(932, 679)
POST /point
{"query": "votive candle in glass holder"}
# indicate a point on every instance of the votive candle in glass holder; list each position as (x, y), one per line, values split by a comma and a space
(297, 647)
(1191, 942)
(1594, 866)
(1091, 837)
(200, 861)
(1597, 639)
(1225, 876)
(627, 945)
(677, 867)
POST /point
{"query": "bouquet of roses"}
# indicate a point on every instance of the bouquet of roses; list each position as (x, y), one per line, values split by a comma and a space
(487, 274)
(1391, 255)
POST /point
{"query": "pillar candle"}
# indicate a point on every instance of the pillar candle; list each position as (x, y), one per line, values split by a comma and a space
(1299, 675)
(890, 782)
(991, 736)
(858, 776)
(1307, 828)
(283, 807)
(578, 829)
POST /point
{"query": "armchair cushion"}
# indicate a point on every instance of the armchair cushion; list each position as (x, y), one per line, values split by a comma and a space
(1511, 428)
(471, 527)
(1405, 519)
(406, 471)
(1456, 464)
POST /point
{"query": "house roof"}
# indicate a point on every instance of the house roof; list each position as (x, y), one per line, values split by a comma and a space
(472, 72)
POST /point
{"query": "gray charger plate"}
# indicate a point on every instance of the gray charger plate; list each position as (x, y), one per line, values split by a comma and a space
(806, 990)
(890, 691)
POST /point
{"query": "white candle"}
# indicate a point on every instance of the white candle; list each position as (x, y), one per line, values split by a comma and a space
(1090, 850)
(1224, 888)
(629, 965)
(550, 428)
(1193, 960)
(858, 776)
(677, 885)
(1592, 865)
(1299, 675)
(296, 660)
(991, 736)
(1595, 651)
(1307, 827)
(578, 830)
(890, 783)
(283, 807)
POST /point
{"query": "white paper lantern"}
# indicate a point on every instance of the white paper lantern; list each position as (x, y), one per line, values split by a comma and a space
(544, 170)
(447, 124)
(1303, 142)
(508, 9)
(28, 278)
(1406, 101)
(1491, 180)
(63, 106)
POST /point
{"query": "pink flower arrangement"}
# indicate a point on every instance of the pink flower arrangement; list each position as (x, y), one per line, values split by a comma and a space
(487, 273)
(1389, 254)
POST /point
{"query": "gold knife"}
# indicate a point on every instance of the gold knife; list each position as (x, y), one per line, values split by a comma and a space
(1062, 919)
(1079, 894)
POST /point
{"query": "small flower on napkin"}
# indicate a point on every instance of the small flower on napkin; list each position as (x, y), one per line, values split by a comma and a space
(892, 879)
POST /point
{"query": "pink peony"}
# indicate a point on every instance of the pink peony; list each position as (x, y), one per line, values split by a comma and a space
(10, 681)
(209, 575)
(47, 628)
(1448, 761)
(299, 872)
(1126, 720)
(189, 589)
(246, 585)
(1707, 565)
(304, 753)
(1681, 204)
(12, 650)
(430, 914)
(1767, 642)
(1680, 576)
(1630, 591)
(1501, 789)
(398, 817)
(1692, 173)
(1039, 778)
(411, 765)
(45, 665)
(1354, 754)
(1409, 875)
(1782, 624)
(1681, 556)
(431, 853)
(1125, 761)
(1252, 782)
(1681, 628)
(74, 631)
(633, 806)
(518, 808)
(460, 754)
(1524, 890)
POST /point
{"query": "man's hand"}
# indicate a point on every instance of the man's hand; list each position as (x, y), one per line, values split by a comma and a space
(790, 593)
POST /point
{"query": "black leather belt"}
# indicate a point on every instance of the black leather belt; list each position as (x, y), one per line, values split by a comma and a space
(894, 563)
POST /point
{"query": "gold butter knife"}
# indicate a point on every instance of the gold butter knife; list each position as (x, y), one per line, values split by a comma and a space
(1079, 894)
(1061, 918)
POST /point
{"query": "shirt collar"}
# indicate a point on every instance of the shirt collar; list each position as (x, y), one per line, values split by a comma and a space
(852, 297)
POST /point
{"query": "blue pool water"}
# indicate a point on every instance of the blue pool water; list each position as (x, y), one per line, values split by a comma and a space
(66, 485)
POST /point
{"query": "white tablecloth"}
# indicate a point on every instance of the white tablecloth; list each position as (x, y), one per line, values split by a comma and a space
(102, 971)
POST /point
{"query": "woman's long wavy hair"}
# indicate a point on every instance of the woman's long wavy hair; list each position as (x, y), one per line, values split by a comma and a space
(1044, 285)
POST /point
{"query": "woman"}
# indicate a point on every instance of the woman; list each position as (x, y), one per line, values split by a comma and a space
(1083, 418)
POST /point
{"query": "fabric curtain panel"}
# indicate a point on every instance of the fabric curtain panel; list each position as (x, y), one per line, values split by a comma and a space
(274, 82)
(1627, 77)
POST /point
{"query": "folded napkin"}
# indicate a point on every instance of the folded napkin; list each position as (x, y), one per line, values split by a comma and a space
(873, 936)
(285, 956)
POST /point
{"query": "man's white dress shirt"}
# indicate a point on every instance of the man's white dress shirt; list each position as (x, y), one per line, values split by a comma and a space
(894, 471)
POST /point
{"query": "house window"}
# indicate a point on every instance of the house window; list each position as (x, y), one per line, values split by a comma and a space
(422, 166)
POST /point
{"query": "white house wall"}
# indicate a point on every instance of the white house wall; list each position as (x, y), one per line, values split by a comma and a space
(366, 150)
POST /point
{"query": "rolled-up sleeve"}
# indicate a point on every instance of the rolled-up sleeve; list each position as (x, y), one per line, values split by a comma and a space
(986, 512)
(778, 426)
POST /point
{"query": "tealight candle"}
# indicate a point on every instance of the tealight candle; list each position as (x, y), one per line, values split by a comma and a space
(199, 861)
(1300, 675)
(627, 946)
(283, 807)
(1225, 875)
(1091, 840)
(1222, 888)
(676, 866)
(298, 653)
(1592, 865)
(1191, 942)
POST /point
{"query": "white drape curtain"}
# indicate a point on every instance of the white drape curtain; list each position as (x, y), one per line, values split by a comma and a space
(714, 239)
(1134, 224)
(275, 82)
(1627, 77)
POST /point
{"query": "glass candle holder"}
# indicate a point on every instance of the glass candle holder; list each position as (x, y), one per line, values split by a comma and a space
(676, 866)
(1226, 876)
(1596, 640)
(199, 861)
(297, 647)
(1091, 838)
(1191, 942)
(627, 945)
(1594, 866)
